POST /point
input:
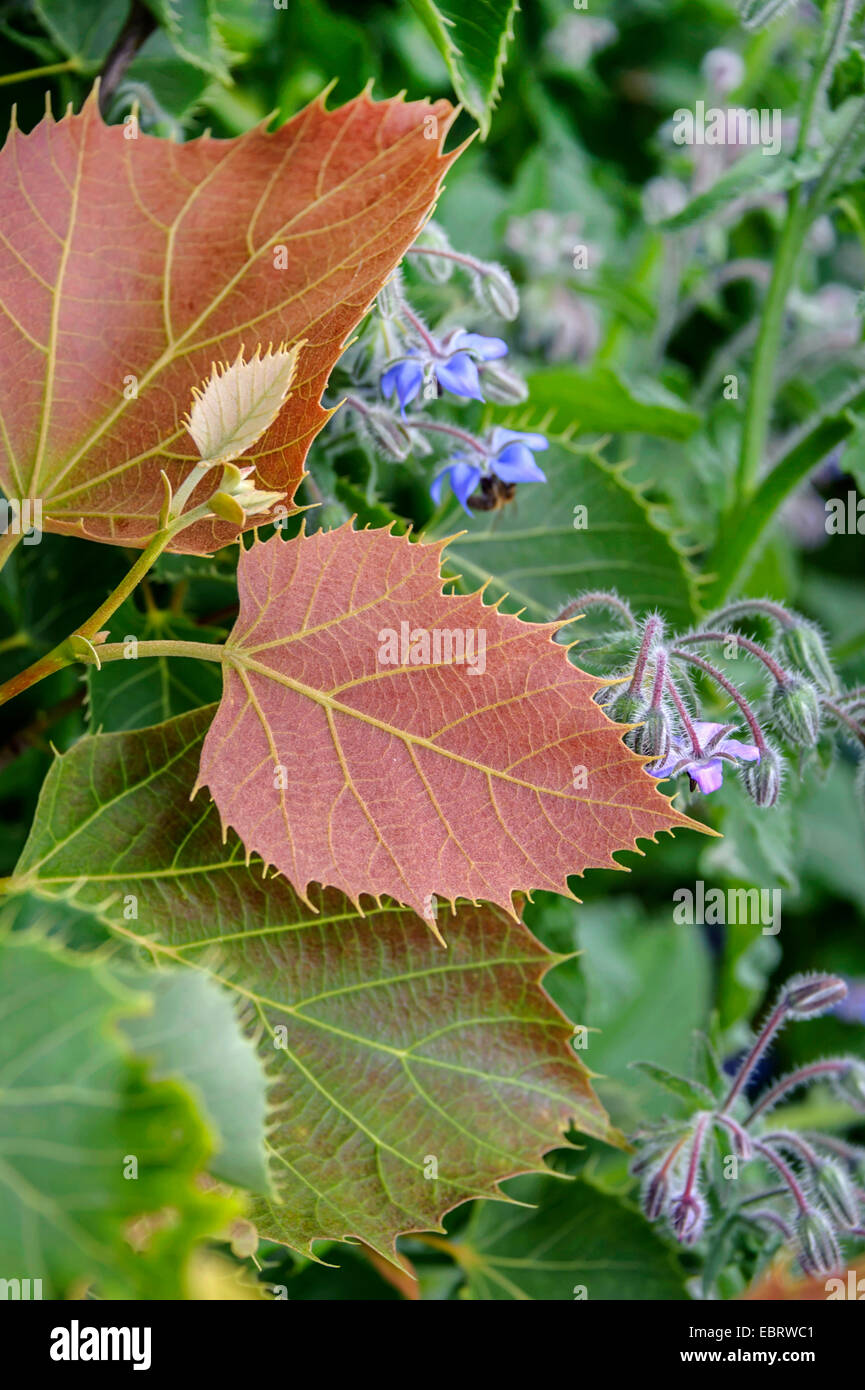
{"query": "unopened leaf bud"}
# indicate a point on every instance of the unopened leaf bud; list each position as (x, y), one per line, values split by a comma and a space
(802, 646)
(797, 711)
(223, 505)
(809, 996)
(233, 478)
(494, 289)
(762, 779)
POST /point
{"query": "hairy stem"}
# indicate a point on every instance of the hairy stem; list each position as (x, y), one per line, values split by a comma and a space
(742, 532)
(746, 644)
(803, 1077)
(735, 695)
(765, 1036)
(800, 214)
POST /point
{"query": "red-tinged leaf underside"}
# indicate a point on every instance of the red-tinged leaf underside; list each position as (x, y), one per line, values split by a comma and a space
(383, 1049)
(134, 264)
(401, 779)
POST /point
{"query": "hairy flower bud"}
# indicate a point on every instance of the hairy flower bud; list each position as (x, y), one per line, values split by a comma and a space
(688, 1217)
(653, 738)
(803, 647)
(797, 711)
(655, 1193)
(503, 386)
(818, 1247)
(494, 289)
(387, 432)
(762, 779)
(436, 269)
(849, 1085)
(625, 708)
(809, 996)
(389, 298)
(836, 1190)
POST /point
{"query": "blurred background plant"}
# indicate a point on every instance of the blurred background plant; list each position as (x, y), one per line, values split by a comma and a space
(638, 366)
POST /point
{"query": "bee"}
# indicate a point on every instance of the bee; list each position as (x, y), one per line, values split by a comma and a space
(494, 494)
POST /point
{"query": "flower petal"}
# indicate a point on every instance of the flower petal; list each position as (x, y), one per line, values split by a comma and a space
(708, 775)
(487, 349)
(745, 752)
(460, 376)
(463, 477)
(501, 436)
(406, 378)
(515, 464)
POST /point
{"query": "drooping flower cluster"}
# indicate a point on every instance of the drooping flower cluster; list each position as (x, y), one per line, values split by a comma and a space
(798, 699)
(814, 1200)
(403, 366)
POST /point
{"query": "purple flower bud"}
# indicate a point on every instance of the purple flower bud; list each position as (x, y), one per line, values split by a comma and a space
(818, 1247)
(802, 646)
(688, 1217)
(836, 1190)
(797, 711)
(655, 1193)
(808, 996)
(762, 779)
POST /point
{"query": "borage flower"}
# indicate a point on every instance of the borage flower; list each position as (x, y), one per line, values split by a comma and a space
(506, 456)
(453, 363)
(705, 765)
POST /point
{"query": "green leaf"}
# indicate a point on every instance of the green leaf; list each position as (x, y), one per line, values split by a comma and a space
(601, 401)
(192, 1035)
(643, 988)
(82, 29)
(532, 552)
(579, 1238)
(473, 39)
(166, 89)
(77, 1110)
(383, 1050)
(755, 173)
(133, 693)
(695, 1095)
(191, 26)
